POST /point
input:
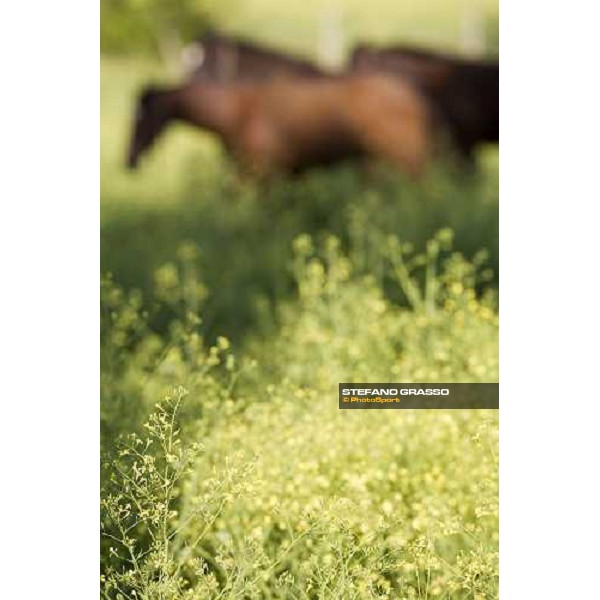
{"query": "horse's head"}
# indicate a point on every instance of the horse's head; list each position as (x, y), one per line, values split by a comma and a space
(151, 116)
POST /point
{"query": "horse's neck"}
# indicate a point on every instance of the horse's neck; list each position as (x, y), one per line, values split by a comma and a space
(209, 106)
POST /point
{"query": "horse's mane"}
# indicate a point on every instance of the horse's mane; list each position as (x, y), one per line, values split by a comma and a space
(249, 46)
(426, 54)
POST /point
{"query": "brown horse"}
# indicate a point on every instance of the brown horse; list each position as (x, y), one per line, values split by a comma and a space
(463, 92)
(217, 57)
(288, 125)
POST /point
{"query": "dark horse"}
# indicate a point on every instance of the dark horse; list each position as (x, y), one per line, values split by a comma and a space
(217, 57)
(464, 93)
(287, 125)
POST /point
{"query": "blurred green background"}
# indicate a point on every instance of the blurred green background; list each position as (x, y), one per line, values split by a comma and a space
(152, 26)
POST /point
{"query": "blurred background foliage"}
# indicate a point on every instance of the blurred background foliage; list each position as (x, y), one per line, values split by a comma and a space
(317, 28)
(148, 26)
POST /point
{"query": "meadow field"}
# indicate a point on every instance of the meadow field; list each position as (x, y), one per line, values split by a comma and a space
(230, 312)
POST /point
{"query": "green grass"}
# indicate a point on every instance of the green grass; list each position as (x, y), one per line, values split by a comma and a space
(257, 485)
